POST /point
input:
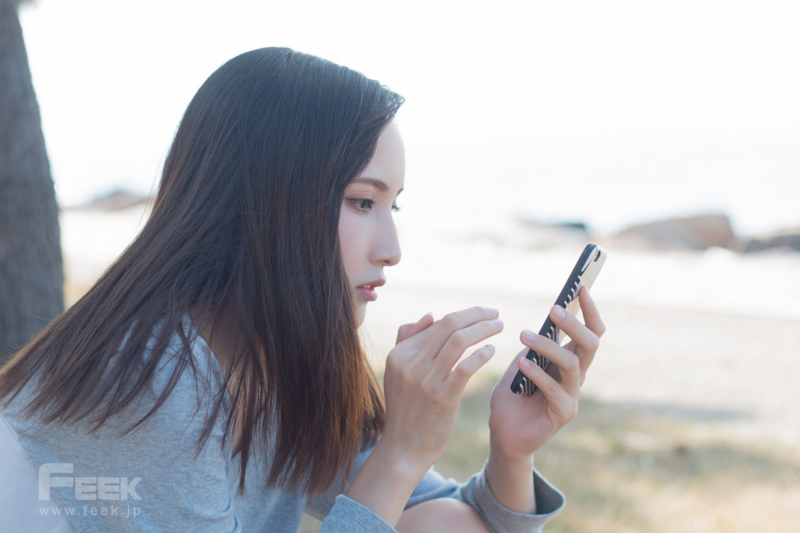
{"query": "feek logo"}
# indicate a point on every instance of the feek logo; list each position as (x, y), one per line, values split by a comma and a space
(86, 488)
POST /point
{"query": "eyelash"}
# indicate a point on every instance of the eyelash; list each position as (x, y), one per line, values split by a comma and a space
(362, 208)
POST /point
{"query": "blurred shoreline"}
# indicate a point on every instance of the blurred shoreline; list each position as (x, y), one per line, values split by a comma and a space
(702, 333)
(493, 252)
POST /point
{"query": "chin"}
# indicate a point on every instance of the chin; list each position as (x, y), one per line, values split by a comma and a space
(362, 313)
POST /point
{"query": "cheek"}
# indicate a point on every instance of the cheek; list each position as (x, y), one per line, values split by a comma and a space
(348, 241)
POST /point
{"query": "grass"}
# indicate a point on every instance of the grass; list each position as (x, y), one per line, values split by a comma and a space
(626, 469)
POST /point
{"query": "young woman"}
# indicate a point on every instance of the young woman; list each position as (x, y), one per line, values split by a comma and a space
(213, 380)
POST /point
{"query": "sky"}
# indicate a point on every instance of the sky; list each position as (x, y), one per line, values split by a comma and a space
(651, 109)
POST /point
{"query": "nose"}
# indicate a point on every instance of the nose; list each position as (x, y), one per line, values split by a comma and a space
(386, 250)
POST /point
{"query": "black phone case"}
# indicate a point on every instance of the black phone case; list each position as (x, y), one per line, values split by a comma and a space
(521, 384)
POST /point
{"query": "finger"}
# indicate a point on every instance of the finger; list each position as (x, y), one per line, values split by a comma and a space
(467, 368)
(444, 328)
(590, 313)
(568, 363)
(409, 330)
(462, 339)
(564, 404)
(576, 331)
(586, 361)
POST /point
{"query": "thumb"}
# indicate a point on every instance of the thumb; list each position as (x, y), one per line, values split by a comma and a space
(409, 330)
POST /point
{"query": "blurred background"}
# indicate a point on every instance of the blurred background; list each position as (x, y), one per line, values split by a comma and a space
(667, 132)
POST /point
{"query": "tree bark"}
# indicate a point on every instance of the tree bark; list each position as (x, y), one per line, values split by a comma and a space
(31, 275)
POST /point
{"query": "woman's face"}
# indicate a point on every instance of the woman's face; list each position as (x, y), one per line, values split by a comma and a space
(367, 234)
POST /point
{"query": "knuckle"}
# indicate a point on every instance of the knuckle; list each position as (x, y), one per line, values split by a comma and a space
(437, 399)
(427, 390)
(430, 385)
(551, 386)
(459, 338)
(450, 321)
(461, 371)
(481, 311)
(493, 326)
(572, 363)
(571, 411)
(593, 343)
(546, 346)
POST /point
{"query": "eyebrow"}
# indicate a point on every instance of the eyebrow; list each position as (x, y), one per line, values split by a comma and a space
(378, 184)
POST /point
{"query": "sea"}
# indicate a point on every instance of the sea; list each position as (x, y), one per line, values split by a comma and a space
(610, 185)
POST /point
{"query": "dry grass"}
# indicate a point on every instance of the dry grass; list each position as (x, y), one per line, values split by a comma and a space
(631, 469)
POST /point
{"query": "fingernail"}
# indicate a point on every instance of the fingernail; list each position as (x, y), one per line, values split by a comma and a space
(525, 363)
(528, 336)
(497, 323)
(493, 311)
(559, 311)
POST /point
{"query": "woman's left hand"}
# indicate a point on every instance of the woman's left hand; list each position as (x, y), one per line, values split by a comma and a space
(520, 425)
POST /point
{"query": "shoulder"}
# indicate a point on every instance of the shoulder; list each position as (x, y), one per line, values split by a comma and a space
(163, 471)
(189, 375)
(190, 369)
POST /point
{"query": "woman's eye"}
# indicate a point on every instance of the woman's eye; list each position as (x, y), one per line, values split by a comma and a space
(363, 205)
(366, 205)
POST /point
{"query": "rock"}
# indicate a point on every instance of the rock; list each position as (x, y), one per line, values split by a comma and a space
(115, 201)
(787, 239)
(693, 233)
(535, 235)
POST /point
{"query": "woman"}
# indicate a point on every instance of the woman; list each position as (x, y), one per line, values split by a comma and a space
(213, 380)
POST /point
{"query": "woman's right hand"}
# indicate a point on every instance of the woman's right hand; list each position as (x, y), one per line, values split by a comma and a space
(423, 384)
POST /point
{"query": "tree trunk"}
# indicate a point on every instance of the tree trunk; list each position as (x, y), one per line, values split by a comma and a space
(31, 276)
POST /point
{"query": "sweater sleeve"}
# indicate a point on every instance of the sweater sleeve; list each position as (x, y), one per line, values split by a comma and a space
(340, 513)
(477, 494)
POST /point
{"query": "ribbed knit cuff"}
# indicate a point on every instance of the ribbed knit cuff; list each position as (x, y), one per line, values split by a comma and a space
(347, 515)
(549, 501)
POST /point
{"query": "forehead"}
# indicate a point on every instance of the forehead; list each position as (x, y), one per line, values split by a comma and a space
(388, 163)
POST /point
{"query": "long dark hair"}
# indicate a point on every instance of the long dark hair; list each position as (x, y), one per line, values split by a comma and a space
(244, 228)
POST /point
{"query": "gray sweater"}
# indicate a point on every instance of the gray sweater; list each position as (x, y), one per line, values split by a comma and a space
(150, 480)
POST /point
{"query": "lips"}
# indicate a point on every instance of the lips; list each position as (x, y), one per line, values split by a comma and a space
(367, 290)
(374, 283)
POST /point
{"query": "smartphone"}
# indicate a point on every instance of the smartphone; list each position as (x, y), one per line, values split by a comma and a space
(584, 273)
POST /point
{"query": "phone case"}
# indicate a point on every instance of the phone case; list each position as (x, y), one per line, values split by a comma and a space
(585, 272)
